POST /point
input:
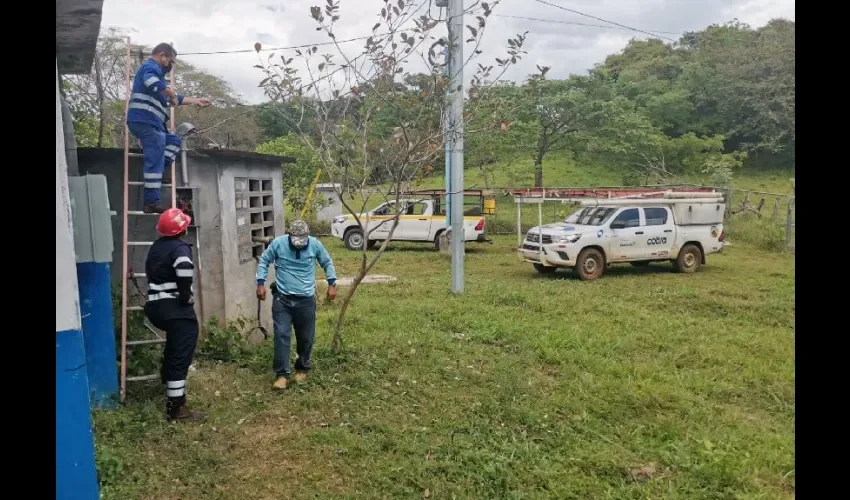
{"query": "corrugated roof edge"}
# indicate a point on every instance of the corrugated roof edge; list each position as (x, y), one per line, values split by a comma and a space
(212, 153)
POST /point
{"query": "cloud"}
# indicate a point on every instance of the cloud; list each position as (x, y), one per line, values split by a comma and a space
(222, 25)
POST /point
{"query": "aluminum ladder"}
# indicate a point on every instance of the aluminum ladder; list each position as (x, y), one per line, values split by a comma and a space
(126, 307)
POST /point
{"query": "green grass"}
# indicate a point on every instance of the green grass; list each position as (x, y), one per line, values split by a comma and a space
(527, 386)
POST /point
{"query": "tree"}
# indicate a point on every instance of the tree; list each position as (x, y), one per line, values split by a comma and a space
(377, 134)
(297, 177)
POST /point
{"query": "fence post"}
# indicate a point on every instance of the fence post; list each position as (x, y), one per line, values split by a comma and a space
(789, 223)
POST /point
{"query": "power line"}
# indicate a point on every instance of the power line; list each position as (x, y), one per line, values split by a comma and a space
(574, 23)
(603, 20)
(307, 45)
(304, 46)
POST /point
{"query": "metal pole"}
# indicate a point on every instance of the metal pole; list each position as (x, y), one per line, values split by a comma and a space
(124, 256)
(184, 168)
(518, 221)
(540, 230)
(449, 147)
(455, 13)
(173, 131)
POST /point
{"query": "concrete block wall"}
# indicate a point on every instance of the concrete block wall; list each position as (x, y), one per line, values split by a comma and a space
(227, 287)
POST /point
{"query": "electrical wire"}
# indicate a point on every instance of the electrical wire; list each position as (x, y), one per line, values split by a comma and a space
(544, 2)
(574, 23)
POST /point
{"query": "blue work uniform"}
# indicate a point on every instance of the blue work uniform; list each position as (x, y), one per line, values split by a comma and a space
(170, 272)
(294, 298)
(146, 118)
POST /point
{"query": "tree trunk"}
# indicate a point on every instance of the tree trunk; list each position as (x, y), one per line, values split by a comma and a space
(98, 82)
(538, 174)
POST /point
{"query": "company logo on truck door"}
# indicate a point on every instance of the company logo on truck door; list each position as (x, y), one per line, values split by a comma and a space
(659, 240)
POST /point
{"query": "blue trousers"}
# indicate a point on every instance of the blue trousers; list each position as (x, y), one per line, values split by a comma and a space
(288, 312)
(160, 148)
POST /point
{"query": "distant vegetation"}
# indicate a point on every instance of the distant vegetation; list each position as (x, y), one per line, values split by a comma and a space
(721, 101)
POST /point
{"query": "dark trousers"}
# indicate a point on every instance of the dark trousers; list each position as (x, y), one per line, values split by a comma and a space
(159, 148)
(288, 312)
(181, 338)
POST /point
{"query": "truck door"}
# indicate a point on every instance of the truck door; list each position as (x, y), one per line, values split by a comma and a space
(381, 221)
(625, 235)
(658, 232)
(416, 222)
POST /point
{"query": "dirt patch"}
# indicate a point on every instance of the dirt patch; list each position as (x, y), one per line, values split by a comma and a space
(369, 279)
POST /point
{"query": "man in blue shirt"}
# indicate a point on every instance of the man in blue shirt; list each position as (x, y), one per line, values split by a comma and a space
(294, 296)
(147, 114)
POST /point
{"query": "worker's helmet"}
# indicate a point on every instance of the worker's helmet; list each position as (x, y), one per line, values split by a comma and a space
(173, 222)
(299, 234)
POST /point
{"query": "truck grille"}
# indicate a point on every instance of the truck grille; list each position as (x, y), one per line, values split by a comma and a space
(535, 238)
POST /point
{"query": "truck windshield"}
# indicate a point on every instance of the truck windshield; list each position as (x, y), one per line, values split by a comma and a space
(591, 216)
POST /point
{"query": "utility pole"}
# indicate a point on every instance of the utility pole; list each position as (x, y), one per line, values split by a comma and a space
(454, 141)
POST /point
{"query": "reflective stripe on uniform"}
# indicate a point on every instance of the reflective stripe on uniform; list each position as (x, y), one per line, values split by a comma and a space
(162, 287)
(181, 259)
(153, 185)
(150, 109)
(162, 295)
(151, 81)
(185, 273)
(153, 176)
(175, 388)
(149, 100)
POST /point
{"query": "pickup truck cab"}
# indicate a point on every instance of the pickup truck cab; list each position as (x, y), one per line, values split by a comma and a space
(418, 222)
(682, 232)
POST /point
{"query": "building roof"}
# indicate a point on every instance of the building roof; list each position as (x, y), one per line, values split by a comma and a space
(77, 27)
(116, 154)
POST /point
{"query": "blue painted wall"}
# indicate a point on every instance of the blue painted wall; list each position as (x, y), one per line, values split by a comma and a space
(76, 476)
(99, 332)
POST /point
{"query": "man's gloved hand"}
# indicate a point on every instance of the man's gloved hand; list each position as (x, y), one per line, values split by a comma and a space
(261, 292)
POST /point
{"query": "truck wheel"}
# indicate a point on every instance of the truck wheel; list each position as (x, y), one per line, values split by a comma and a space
(688, 260)
(540, 268)
(590, 264)
(354, 239)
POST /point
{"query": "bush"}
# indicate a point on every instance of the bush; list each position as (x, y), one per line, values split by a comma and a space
(224, 344)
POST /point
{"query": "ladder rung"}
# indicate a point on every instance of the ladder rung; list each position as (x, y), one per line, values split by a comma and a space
(136, 155)
(144, 342)
(143, 378)
(139, 212)
(139, 275)
(135, 308)
(141, 183)
(140, 243)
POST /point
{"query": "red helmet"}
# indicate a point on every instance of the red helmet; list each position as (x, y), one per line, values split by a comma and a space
(173, 222)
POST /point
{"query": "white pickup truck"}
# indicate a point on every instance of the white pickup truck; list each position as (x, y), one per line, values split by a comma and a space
(417, 222)
(638, 231)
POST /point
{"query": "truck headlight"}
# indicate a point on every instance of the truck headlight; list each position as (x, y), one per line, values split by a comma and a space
(339, 218)
(571, 238)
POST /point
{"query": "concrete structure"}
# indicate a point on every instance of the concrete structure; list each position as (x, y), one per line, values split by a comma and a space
(77, 27)
(334, 207)
(236, 198)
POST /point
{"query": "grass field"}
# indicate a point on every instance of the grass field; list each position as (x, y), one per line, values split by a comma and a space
(644, 384)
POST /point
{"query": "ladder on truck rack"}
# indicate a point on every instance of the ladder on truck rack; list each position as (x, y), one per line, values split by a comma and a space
(127, 272)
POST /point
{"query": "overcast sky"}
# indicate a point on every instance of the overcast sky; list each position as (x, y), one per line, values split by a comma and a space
(222, 25)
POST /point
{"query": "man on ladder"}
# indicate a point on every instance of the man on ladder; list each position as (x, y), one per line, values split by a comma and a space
(170, 307)
(146, 117)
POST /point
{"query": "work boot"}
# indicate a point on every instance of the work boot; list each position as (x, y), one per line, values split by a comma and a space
(300, 376)
(179, 412)
(155, 208)
(280, 383)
